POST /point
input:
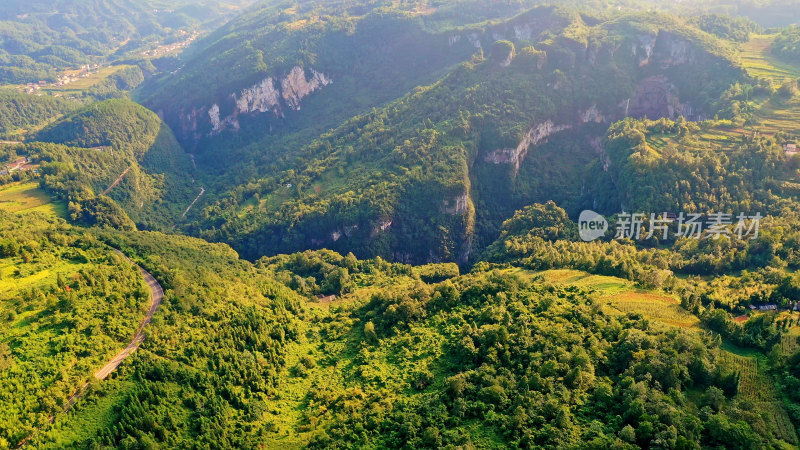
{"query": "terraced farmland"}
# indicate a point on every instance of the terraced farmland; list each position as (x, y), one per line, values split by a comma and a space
(756, 386)
(654, 306)
(759, 62)
(622, 296)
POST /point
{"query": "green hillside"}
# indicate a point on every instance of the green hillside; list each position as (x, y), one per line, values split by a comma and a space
(40, 39)
(68, 303)
(20, 113)
(492, 357)
(363, 224)
(410, 180)
(117, 151)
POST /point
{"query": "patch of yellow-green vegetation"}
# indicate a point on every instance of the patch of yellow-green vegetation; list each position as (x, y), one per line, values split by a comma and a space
(779, 115)
(18, 276)
(330, 362)
(623, 296)
(605, 284)
(759, 62)
(366, 286)
(285, 417)
(28, 197)
(248, 206)
(714, 138)
(660, 307)
(276, 198)
(93, 413)
(753, 385)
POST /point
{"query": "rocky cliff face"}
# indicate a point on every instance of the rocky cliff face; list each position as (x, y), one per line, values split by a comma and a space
(456, 206)
(663, 50)
(296, 86)
(263, 97)
(515, 156)
(656, 97)
(260, 98)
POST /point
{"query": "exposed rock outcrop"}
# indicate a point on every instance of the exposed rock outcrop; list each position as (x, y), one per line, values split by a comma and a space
(663, 49)
(213, 116)
(456, 206)
(383, 225)
(645, 48)
(296, 86)
(515, 156)
(258, 99)
(349, 230)
(656, 97)
(593, 115)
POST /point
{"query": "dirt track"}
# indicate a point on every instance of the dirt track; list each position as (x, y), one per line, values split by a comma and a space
(156, 295)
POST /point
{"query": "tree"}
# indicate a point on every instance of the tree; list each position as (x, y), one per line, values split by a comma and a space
(369, 333)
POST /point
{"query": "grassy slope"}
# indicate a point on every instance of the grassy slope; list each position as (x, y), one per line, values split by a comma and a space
(28, 197)
(58, 336)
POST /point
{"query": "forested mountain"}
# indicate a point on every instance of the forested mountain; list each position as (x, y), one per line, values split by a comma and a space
(115, 162)
(40, 37)
(422, 161)
(363, 224)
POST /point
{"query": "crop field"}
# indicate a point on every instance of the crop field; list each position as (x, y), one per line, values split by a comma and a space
(27, 197)
(717, 138)
(605, 284)
(776, 416)
(758, 61)
(755, 385)
(789, 343)
(779, 115)
(752, 385)
(623, 297)
(654, 306)
(81, 84)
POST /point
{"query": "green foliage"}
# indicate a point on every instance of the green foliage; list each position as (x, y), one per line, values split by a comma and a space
(787, 44)
(503, 51)
(392, 182)
(514, 363)
(109, 139)
(36, 43)
(736, 29)
(68, 302)
(22, 111)
(213, 354)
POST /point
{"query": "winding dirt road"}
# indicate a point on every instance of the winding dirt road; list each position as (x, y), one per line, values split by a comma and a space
(156, 295)
(116, 182)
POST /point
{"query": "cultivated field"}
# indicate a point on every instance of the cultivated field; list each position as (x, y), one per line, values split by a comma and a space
(756, 386)
(27, 197)
(623, 296)
(759, 62)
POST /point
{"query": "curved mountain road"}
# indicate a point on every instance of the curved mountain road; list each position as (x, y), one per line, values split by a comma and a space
(156, 295)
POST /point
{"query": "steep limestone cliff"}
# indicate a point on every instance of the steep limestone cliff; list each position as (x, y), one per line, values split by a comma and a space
(656, 97)
(456, 206)
(296, 86)
(515, 156)
(260, 98)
